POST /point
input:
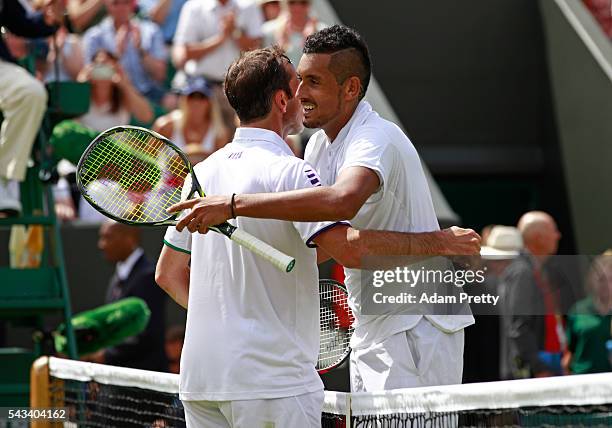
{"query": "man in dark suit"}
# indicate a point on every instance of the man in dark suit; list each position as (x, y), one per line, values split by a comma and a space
(134, 277)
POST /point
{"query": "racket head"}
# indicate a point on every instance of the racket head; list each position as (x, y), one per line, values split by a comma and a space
(133, 174)
(336, 325)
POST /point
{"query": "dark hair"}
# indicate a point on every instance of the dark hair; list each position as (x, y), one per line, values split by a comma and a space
(253, 79)
(350, 54)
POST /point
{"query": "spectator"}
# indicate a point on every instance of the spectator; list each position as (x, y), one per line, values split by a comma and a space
(70, 60)
(164, 13)
(485, 232)
(589, 339)
(503, 245)
(113, 102)
(196, 126)
(85, 13)
(175, 336)
(209, 37)
(291, 28)
(113, 96)
(270, 9)
(134, 276)
(23, 99)
(137, 44)
(532, 325)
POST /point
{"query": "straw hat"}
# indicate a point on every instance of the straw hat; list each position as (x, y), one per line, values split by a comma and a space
(504, 242)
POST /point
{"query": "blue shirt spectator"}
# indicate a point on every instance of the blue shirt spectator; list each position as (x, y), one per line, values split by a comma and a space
(164, 13)
(138, 44)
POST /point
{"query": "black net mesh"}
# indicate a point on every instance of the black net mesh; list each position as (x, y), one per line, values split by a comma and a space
(95, 397)
(92, 404)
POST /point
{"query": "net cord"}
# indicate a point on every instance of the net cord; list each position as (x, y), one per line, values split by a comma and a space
(574, 390)
(577, 390)
(110, 375)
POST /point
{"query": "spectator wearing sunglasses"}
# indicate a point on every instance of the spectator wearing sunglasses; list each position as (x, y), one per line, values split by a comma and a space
(196, 126)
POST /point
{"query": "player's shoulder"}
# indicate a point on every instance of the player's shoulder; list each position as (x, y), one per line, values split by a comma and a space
(282, 164)
(382, 134)
(291, 173)
(213, 159)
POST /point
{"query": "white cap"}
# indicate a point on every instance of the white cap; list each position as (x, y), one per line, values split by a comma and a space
(503, 242)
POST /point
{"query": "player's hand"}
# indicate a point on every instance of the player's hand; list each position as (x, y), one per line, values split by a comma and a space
(205, 212)
(462, 242)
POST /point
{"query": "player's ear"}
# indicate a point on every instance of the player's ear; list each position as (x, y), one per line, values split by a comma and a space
(281, 100)
(352, 88)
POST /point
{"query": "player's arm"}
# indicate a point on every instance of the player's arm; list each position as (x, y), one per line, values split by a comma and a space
(172, 274)
(338, 202)
(341, 201)
(349, 246)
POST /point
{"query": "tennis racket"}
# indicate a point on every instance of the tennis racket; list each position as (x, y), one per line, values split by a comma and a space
(336, 324)
(133, 175)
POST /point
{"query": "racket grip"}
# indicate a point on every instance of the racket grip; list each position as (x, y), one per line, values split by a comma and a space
(280, 260)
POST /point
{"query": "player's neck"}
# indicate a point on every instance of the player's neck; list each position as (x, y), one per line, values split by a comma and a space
(269, 123)
(334, 126)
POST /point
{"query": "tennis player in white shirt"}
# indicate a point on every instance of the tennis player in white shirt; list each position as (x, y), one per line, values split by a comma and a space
(252, 333)
(372, 175)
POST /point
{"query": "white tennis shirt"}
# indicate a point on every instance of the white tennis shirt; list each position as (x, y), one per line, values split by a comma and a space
(252, 331)
(402, 203)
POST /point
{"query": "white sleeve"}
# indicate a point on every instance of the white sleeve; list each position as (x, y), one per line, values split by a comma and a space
(186, 28)
(299, 174)
(368, 151)
(179, 241)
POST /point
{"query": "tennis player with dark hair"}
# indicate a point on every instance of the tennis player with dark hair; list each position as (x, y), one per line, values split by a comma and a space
(372, 175)
(252, 335)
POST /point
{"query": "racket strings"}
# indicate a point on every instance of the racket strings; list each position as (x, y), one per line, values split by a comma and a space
(134, 176)
(336, 325)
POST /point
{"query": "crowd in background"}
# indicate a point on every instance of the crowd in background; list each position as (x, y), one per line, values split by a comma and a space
(161, 64)
(158, 64)
(554, 316)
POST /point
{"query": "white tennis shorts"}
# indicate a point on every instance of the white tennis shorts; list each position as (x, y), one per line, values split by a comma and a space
(421, 356)
(302, 411)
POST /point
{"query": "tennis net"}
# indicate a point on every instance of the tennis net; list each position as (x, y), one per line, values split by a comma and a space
(106, 396)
